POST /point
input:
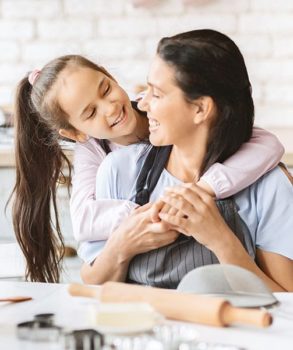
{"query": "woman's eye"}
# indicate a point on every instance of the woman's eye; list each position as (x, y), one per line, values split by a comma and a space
(155, 95)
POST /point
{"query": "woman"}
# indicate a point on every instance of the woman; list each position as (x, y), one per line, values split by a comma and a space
(199, 101)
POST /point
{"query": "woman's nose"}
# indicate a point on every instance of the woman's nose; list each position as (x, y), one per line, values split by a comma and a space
(143, 102)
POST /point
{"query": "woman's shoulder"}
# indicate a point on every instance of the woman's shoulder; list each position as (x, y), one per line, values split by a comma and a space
(128, 155)
(119, 170)
(270, 196)
(276, 180)
(273, 190)
(126, 160)
(274, 184)
(266, 207)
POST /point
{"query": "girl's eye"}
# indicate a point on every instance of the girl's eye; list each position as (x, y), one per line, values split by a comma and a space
(107, 90)
(93, 112)
(155, 95)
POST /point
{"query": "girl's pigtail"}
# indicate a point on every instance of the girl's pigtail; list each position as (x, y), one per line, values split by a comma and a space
(39, 160)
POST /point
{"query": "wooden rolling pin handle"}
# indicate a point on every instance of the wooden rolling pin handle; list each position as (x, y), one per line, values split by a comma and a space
(255, 317)
(79, 290)
(175, 305)
(185, 307)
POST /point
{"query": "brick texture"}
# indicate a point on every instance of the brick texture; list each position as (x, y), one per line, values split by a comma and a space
(122, 35)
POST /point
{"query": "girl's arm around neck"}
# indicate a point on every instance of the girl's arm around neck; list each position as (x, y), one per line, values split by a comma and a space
(255, 158)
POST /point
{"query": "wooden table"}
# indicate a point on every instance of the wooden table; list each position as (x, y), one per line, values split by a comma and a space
(72, 313)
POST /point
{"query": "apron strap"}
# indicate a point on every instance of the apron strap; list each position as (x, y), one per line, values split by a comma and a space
(150, 173)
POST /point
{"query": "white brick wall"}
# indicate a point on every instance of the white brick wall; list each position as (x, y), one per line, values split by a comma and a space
(93, 8)
(42, 9)
(123, 38)
(17, 30)
(63, 29)
(10, 51)
(133, 27)
(37, 53)
(277, 23)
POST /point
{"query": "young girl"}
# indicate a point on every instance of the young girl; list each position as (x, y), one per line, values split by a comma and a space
(199, 101)
(75, 98)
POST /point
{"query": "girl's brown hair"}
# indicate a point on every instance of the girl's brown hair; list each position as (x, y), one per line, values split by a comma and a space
(39, 163)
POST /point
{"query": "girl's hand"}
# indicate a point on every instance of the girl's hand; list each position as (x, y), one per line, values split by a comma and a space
(138, 234)
(197, 216)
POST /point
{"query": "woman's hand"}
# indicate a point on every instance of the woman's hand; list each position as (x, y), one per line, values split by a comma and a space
(161, 207)
(138, 234)
(196, 215)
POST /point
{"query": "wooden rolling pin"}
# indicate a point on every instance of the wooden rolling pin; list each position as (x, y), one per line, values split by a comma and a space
(176, 305)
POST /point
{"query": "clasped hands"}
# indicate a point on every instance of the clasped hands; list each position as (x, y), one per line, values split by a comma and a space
(186, 208)
(191, 210)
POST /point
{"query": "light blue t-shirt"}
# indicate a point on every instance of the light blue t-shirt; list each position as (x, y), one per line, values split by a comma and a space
(266, 206)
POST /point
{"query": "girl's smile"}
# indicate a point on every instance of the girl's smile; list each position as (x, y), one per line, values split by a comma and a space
(121, 119)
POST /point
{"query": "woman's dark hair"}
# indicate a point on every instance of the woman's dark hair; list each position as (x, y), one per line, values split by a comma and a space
(39, 163)
(208, 63)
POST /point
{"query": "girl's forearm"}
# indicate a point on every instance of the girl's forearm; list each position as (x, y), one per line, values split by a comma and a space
(254, 158)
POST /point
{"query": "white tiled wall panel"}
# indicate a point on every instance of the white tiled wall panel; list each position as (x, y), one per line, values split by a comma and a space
(122, 36)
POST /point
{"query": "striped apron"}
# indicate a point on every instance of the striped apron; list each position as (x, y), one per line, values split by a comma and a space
(165, 267)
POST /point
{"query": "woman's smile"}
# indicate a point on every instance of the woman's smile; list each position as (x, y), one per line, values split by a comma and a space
(153, 124)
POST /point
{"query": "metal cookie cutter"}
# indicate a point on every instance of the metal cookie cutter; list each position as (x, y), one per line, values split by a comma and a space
(43, 329)
(47, 318)
(40, 329)
(83, 339)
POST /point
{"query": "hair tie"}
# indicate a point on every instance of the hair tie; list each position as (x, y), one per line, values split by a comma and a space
(33, 76)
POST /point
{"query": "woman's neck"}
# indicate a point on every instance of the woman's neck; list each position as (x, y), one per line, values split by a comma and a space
(186, 159)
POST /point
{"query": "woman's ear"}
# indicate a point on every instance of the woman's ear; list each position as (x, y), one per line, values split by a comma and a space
(73, 135)
(204, 109)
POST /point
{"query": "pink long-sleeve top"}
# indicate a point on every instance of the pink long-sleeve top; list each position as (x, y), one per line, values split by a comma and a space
(94, 219)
